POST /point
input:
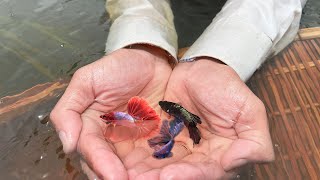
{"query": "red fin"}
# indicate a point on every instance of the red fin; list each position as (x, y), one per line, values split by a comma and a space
(116, 133)
(148, 128)
(139, 109)
(148, 121)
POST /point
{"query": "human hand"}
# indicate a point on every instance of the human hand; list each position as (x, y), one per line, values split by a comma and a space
(234, 127)
(103, 86)
(215, 93)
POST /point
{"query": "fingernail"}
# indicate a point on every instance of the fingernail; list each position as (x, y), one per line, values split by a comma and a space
(66, 141)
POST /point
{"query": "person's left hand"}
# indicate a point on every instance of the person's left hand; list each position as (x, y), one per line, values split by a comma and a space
(234, 129)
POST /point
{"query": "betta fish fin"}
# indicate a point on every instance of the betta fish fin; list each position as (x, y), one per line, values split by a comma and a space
(163, 138)
(163, 143)
(118, 133)
(194, 134)
(176, 127)
(163, 151)
(140, 109)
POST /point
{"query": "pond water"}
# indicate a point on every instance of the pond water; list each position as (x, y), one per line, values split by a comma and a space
(45, 40)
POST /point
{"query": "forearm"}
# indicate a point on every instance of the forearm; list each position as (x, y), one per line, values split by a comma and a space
(246, 32)
(141, 22)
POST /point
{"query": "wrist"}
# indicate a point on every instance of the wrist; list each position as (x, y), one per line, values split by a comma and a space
(156, 51)
(214, 60)
(214, 65)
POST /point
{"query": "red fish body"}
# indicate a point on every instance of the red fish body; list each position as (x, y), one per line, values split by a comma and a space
(141, 121)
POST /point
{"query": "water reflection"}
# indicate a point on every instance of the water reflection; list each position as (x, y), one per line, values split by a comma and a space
(29, 145)
(41, 40)
(36, 153)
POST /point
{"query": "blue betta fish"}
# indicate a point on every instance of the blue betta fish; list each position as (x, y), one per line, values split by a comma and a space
(190, 120)
(163, 143)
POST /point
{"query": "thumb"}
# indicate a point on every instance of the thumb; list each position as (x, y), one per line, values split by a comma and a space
(66, 114)
(254, 144)
(244, 151)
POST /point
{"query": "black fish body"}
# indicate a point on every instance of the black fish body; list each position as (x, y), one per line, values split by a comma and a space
(190, 120)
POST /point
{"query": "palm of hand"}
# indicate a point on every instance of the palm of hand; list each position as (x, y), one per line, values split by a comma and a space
(103, 86)
(109, 83)
(224, 144)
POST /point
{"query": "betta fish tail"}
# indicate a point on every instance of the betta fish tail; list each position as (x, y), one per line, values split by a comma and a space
(163, 143)
(195, 118)
(164, 136)
(176, 127)
(140, 109)
(163, 151)
(194, 134)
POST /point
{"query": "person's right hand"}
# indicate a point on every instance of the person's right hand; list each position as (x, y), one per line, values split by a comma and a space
(103, 86)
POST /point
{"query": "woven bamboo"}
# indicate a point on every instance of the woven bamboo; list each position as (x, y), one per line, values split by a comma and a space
(289, 86)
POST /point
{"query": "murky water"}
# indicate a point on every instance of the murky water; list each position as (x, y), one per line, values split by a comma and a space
(43, 40)
(311, 14)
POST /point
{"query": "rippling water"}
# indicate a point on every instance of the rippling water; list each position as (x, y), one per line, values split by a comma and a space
(42, 40)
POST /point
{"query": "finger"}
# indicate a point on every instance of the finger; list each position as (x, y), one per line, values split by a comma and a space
(98, 153)
(141, 166)
(152, 174)
(192, 171)
(254, 143)
(86, 169)
(66, 114)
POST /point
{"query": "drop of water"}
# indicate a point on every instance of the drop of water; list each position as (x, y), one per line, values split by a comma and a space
(40, 117)
(276, 145)
(238, 176)
(62, 45)
(43, 156)
(45, 176)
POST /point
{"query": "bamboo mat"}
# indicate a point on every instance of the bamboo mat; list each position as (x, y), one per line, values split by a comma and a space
(289, 86)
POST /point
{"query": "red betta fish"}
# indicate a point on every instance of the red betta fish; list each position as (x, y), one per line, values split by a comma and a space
(141, 121)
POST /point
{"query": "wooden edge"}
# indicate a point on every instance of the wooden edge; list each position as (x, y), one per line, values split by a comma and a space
(303, 34)
(308, 33)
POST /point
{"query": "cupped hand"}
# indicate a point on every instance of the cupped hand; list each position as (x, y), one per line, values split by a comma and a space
(234, 127)
(103, 86)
